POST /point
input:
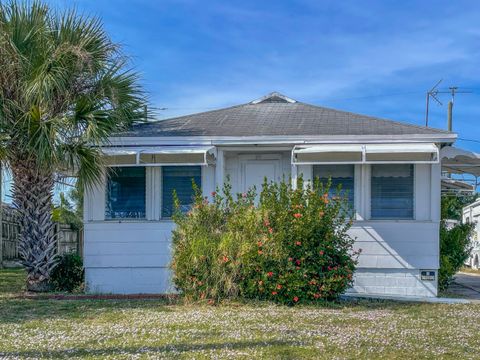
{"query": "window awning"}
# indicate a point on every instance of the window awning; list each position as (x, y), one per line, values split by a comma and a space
(460, 161)
(371, 153)
(160, 155)
(327, 154)
(401, 153)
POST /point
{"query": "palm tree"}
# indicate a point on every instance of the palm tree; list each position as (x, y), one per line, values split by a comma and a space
(64, 88)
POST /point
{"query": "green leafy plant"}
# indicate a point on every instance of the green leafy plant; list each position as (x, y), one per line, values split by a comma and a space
(455, 244)
(65, 87)
(68, 275)
(291, 247)
(454, 250)
(65, 213)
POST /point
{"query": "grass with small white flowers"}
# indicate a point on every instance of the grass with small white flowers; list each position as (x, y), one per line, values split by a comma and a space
(126, 329)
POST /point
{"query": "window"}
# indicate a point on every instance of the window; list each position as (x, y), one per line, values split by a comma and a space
(392, 191)
(126, 193)
(179, 178)
(341, 175)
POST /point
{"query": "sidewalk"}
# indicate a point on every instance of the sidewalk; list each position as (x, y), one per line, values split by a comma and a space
(466, 285)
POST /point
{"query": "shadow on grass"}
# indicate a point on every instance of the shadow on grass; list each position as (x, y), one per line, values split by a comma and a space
(22, 310)
(15, 310)
(149, 350)
(11, 281)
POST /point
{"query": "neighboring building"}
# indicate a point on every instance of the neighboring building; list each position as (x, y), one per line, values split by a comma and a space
(456, 186)
(471, 214)
(392, 170)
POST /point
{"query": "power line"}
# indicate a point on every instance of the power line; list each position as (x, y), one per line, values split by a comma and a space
(471, 140)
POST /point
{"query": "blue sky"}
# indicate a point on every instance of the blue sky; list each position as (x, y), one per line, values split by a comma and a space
(371, 57)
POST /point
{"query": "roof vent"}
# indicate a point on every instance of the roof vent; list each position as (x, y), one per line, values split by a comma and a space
(273, 97)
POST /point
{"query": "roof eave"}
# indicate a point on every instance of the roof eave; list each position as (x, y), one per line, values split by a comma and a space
(446, 138)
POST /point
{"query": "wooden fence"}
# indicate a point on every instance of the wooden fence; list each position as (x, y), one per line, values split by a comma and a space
(68, 240)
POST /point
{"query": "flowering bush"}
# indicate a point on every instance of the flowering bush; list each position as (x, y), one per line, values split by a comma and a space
(291, 247)
(209, 243)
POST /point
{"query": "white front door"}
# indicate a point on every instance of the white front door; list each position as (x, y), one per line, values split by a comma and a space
(254, 171)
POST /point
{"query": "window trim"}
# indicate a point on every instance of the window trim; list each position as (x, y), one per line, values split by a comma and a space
(153, 198)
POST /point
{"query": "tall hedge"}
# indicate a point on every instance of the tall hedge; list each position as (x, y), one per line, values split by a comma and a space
(286, 245)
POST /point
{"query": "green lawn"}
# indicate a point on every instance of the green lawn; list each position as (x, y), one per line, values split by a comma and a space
(155, 329)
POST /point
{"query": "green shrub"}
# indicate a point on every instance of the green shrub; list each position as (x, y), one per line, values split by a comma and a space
(68, 274)
(454, 251)
(292, 247)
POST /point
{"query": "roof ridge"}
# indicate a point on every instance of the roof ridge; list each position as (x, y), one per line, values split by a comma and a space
(272, 95)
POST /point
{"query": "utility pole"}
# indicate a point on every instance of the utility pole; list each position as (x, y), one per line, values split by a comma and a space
(453, 90)
(433, 93)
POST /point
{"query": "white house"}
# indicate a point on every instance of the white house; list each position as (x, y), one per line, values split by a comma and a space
(471, 214)
(391, 170)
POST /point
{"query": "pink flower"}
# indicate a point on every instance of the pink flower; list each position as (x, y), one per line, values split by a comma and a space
(270, 230)
(260, 252)
(244, 195)
(321, 252)
(274, 293)
(270, 274)
(214, 193)
(295, 298)
(298, 262)
(297, 215)
(316, 296)
(279, 286)
(298, 243)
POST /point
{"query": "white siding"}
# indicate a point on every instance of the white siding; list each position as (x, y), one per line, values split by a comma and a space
(134, 257)
(128, 257)
(396, 245)
(392, 282)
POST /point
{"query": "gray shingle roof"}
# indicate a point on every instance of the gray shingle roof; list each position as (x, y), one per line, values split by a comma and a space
(276, 115)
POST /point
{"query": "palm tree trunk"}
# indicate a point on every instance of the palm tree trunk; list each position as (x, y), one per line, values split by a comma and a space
(32, 197)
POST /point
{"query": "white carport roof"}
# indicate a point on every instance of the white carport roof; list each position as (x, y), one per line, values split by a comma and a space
(459, 161)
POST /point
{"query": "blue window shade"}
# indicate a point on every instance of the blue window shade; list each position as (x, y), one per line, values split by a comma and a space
(179, 178)
(340, 175)
(392, 191)
(126, 193)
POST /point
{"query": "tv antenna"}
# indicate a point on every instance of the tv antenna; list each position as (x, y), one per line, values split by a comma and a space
(433, 93)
